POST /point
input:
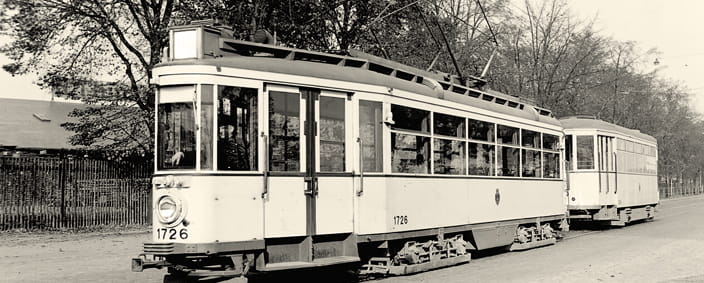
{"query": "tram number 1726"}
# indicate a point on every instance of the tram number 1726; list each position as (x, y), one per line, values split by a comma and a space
(400, 219)
(171, 233)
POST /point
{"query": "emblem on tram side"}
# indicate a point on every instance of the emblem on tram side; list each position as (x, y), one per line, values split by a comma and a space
(497, 197)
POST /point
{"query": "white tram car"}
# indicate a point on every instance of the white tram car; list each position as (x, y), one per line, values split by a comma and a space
(612, 172)
(271, 158)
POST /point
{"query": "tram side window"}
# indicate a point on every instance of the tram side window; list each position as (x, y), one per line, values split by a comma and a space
(409, 153)
(481, 131)
(237, 128)
(284, 131)
(176, 136)
(449, 157)
(448, 125)
(530, 163)
(568, 149)
(410, 149)
(551, 142)
(551, 160)
(530, 139)
(507, 135)
(585, 152)
(481, 159)
(449, 154)
(332, 134)
(551, 165)
(407, 118)
(508, 161)
(370, 131)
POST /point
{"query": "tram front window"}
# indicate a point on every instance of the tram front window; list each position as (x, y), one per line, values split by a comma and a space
(176, 136)
(237, 128)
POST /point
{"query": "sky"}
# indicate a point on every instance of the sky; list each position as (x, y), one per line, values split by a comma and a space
(674, 27)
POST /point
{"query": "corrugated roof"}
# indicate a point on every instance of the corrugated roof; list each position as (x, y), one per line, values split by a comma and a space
(592, 123)
(35, 123)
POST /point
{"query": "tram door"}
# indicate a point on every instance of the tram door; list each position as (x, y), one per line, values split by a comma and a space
(310, 184)
(607, 170)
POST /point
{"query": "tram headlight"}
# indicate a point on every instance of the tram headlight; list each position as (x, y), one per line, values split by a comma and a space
(169, 209)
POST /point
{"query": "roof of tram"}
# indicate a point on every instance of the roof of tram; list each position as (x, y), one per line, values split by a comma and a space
(220, 50)
(590, 122)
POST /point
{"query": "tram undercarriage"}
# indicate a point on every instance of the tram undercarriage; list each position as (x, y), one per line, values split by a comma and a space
(374, 255)
(613, 215)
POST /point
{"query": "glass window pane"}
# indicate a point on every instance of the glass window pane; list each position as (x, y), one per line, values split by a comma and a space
(568, 149)
(551, 142)
(409, 153)
(530, 138)
(448, 125)
(206, 127)
(481, 159)
(237, 128)
(176, 136)
(406, 118)
(585, 152)
(284, 131)
(185, 44)
(507, 135)
(449, 157)
(332, 134)
(370, 130)
(509, 161)
(480, 130)
(530, 163)
(551, 165)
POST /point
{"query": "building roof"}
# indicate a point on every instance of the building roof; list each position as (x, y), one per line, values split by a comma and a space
(579, 122)
(35, 124)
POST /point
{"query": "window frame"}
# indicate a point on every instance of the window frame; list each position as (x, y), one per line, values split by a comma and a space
(380, 148)
(216, 126)
(593, 151)
(393, 129)
(491, 142)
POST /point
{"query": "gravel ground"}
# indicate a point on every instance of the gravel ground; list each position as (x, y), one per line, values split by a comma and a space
(669, 249)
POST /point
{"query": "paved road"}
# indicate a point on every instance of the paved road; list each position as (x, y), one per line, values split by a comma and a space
(671, 248)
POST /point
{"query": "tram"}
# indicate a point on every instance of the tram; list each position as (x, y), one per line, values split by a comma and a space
(273, 158)
(612, 172)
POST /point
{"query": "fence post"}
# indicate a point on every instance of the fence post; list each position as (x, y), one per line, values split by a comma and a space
(62, 185)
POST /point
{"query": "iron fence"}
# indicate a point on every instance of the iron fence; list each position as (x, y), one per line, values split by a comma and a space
(677, 188)
(54, 193)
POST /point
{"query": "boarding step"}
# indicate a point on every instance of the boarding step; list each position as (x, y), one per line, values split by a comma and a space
(382, 266)
(533, 244)
(308, 264)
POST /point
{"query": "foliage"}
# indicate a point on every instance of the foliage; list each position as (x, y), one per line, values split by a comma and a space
(101, 52)
(542, 53)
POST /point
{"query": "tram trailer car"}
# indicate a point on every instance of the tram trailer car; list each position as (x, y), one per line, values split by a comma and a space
(612, 172)
(271, 158)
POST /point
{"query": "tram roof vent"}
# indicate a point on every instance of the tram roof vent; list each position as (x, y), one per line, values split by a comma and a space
(217, 40)
(581, 116)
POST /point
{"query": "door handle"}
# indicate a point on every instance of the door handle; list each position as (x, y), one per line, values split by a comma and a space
(311, 186)
(265, 169)
(361, 167)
